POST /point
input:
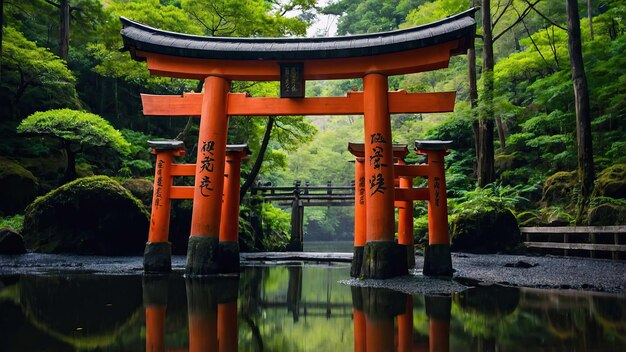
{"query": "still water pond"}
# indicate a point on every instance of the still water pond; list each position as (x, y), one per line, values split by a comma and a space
(295, 308)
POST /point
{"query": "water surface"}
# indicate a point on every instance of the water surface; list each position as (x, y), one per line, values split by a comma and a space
(294, 308)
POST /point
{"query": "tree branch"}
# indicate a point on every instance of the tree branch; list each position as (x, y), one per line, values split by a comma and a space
(493, 25)
(53, 3)
(259, 159)
(532, 6)
(519, 19)
(533, 41)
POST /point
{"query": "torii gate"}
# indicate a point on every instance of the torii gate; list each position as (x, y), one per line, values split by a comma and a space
(372, 57)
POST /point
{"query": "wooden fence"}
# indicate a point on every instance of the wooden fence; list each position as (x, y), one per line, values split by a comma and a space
(578, 238)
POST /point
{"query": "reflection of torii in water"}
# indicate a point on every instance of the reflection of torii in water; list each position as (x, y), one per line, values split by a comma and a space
(372, 57)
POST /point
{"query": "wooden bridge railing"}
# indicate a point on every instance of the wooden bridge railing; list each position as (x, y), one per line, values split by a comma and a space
(298, 197)
(589, 238)
(328, 195)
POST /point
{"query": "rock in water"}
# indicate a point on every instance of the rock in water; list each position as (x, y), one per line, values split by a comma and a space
(485, 231)
(11, 242)
(92, 215)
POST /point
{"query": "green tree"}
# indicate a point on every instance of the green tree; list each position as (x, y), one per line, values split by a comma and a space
(370, 15)
(76, 130)
(34, 71)
(248, 18)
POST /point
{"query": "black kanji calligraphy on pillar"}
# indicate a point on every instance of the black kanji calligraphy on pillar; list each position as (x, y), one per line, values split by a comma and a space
(292, 80)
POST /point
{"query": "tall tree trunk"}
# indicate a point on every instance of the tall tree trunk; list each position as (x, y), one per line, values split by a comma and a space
(259, 159)
(1, 32)
(70, 171)
(590, 16)
(116, 102)
(485, 170)
(583, 115)
(473, 93)
(64, 29)
(473, 96)
(471, 65)
(501, 134)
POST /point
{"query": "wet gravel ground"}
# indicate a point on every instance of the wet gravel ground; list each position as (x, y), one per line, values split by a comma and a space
(471, 269)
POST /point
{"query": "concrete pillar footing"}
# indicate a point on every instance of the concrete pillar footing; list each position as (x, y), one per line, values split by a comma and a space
(437, 260)
(157, 257)
(357, 262)
(202, 256)
(383, 260)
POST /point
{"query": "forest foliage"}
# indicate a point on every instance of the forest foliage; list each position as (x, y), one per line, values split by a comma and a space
(533, 95)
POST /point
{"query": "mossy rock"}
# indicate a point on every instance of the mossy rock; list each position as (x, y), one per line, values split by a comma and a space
(141, 188)
(18, 187)
(558, 188)
(48, 169)
(84, 169)
(11, 242)
(611, 182)
(93, 215)
(607, 214)
(504, 162)
(485, 231)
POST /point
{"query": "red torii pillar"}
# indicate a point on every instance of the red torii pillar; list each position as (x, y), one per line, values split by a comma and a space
(203, 248)
(405, 219)
(229, 224)
(157, 255)
(361, 207)
(437, 256)
(380, 254)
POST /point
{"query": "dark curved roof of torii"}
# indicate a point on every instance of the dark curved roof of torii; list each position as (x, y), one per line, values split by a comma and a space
(138, 36)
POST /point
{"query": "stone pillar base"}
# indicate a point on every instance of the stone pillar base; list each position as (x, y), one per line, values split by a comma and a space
(437, 260)
(228, 257)
(157, 257)
(202, 256)
(357, 262)
(383, 260)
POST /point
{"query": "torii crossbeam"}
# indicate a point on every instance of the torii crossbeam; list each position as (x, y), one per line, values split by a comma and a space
(372, 57)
